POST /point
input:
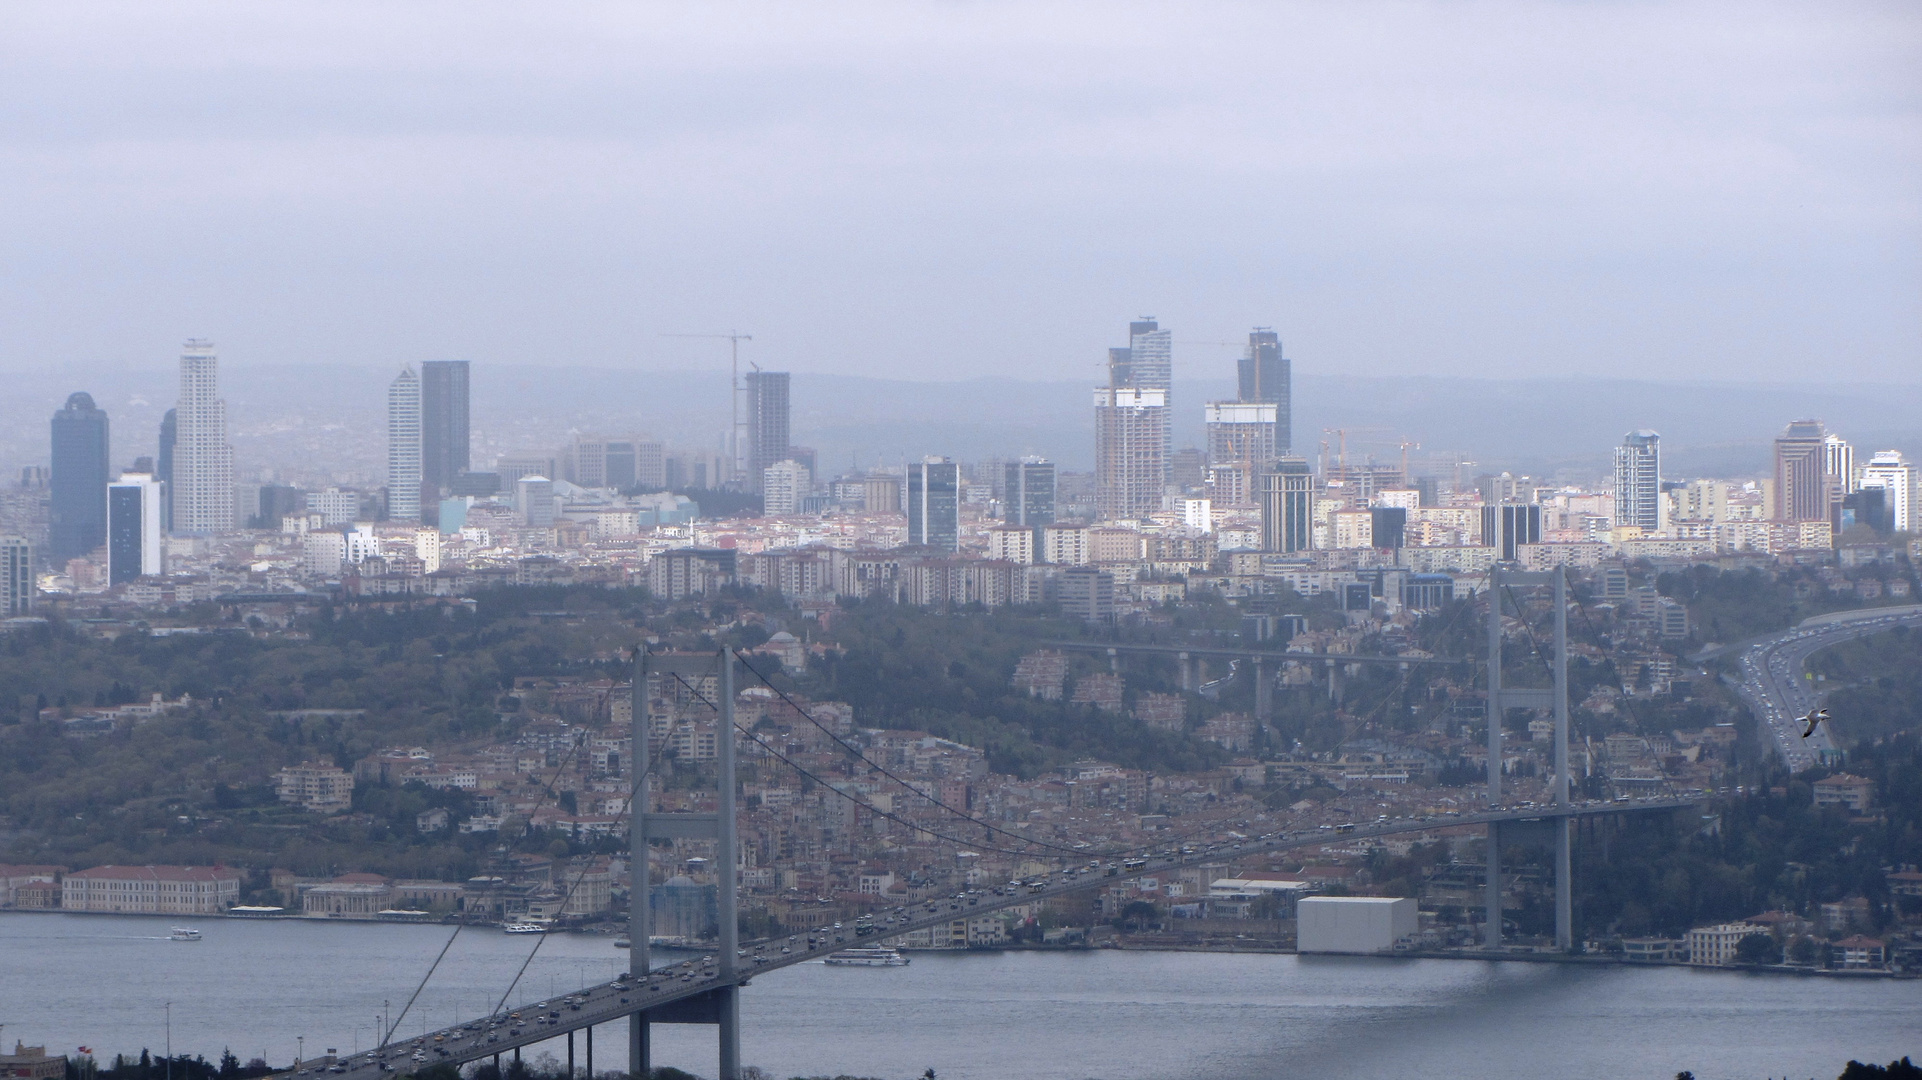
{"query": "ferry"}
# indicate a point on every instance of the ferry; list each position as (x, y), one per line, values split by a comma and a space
(874, 957)
(184, 933)
(525, 928)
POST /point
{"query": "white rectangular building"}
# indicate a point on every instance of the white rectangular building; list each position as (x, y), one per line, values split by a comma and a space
(1353, 924)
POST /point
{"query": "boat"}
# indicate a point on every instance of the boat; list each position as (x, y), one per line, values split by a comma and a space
(184, 933)
(866, 957)
(525, 928)
(622, 942)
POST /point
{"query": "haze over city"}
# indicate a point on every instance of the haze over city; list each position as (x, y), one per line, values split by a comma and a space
(960, 541)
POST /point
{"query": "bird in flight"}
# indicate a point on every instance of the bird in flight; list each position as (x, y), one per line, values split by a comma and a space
(1813, 718)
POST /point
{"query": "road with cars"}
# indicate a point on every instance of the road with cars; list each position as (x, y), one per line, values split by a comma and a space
(1774, 685)
(611, 1001)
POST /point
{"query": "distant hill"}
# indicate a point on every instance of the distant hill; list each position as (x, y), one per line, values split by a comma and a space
(286, 416)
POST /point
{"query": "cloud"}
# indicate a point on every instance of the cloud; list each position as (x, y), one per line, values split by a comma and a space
(937, 190)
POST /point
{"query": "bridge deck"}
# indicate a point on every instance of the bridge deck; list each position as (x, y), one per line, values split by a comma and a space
(685, 983)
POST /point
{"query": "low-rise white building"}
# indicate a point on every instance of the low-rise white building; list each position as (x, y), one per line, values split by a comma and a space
(324, 789)
(1714, 946)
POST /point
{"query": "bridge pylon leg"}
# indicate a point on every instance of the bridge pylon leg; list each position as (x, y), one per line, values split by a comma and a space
(1492, 924)
(1564, 889)
(730, 1032)
(570, 1056)
(639, 1053)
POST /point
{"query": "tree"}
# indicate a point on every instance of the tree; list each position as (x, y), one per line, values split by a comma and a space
(1758, 949)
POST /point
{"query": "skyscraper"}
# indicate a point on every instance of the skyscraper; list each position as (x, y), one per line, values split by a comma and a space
(1638, 480)
(78, 480)
(934, 504)
(443, 424)
(164, 468)
(1896, 478)
(1029, 496)
(203, 463)
(1264, 375)
(133, 528)
(1507, 526)
(1150, 356)
(1801, 475)
(766, 421)
(403, 446)
(1130, 451)
(17, 588)
(1287, 506)
(1241, 443)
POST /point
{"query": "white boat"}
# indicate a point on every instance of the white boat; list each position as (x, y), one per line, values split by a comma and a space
(184, 933)
(525, 928)
(875, 957)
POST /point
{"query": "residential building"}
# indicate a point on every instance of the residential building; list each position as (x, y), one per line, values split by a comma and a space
(404, 446)
(534, 498)
(77, 482)
(151, 890)
(934, 504)
(783, 485)
(323, 789)
(684, 572)
(768, 439)
(1012, 543)
(1853, 793)
(1802, 480)
(1067, 544)
(1888, 471)
(1086, 593)
(1638, 480)
(444, 419)
(17, 587)
(1857, 951)
(202, 486)
(1287, 507)
(881, 493)
(135, 546)
(1242, 440)
(1714, 946)
(1264, 376)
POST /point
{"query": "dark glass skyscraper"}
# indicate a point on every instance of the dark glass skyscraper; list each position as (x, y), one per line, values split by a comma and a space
(443, 424)
(1264, 375)
(78, 480)
(767, 423)
(934, 504)
(1028, 498)
(164, 468)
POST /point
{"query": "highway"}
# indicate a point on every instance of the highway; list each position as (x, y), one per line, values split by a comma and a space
(610, 1001)
(1772, 682)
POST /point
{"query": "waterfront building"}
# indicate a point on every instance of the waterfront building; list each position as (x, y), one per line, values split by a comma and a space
(1714, 946)
(350, 896)
(1287, 507)
(202, 487)
(17, 587)
(151, 890)
(1638, 480)
(77, 482)
(934, 504)
(1802, 480)
(767, 422)
(444, 417)
(135, 545)
(1353, 924)
(404, 446)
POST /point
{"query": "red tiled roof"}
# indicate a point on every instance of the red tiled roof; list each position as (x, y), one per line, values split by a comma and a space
(155, 873)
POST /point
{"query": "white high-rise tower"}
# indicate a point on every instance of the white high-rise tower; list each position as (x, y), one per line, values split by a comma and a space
(1638, 480)
(203, 463)
(403, 446)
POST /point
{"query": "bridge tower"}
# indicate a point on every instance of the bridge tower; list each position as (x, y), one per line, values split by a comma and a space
(721, 1006)
(1555, 700)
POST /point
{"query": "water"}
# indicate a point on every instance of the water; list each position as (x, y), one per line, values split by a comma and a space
(101, 981)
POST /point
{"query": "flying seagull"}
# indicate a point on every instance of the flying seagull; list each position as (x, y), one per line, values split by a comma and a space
(1813, 718)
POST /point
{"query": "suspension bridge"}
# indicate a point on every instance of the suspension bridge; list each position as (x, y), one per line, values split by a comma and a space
(707, 990)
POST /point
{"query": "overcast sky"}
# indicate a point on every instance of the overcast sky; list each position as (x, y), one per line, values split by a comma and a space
(943, 190)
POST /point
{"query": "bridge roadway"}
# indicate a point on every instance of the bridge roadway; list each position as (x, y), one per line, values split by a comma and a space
(684, 984)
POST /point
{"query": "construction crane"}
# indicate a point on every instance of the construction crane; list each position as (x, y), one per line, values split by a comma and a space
(733, 390)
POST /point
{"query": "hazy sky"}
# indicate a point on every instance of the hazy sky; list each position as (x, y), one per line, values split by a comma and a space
(940, 190)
